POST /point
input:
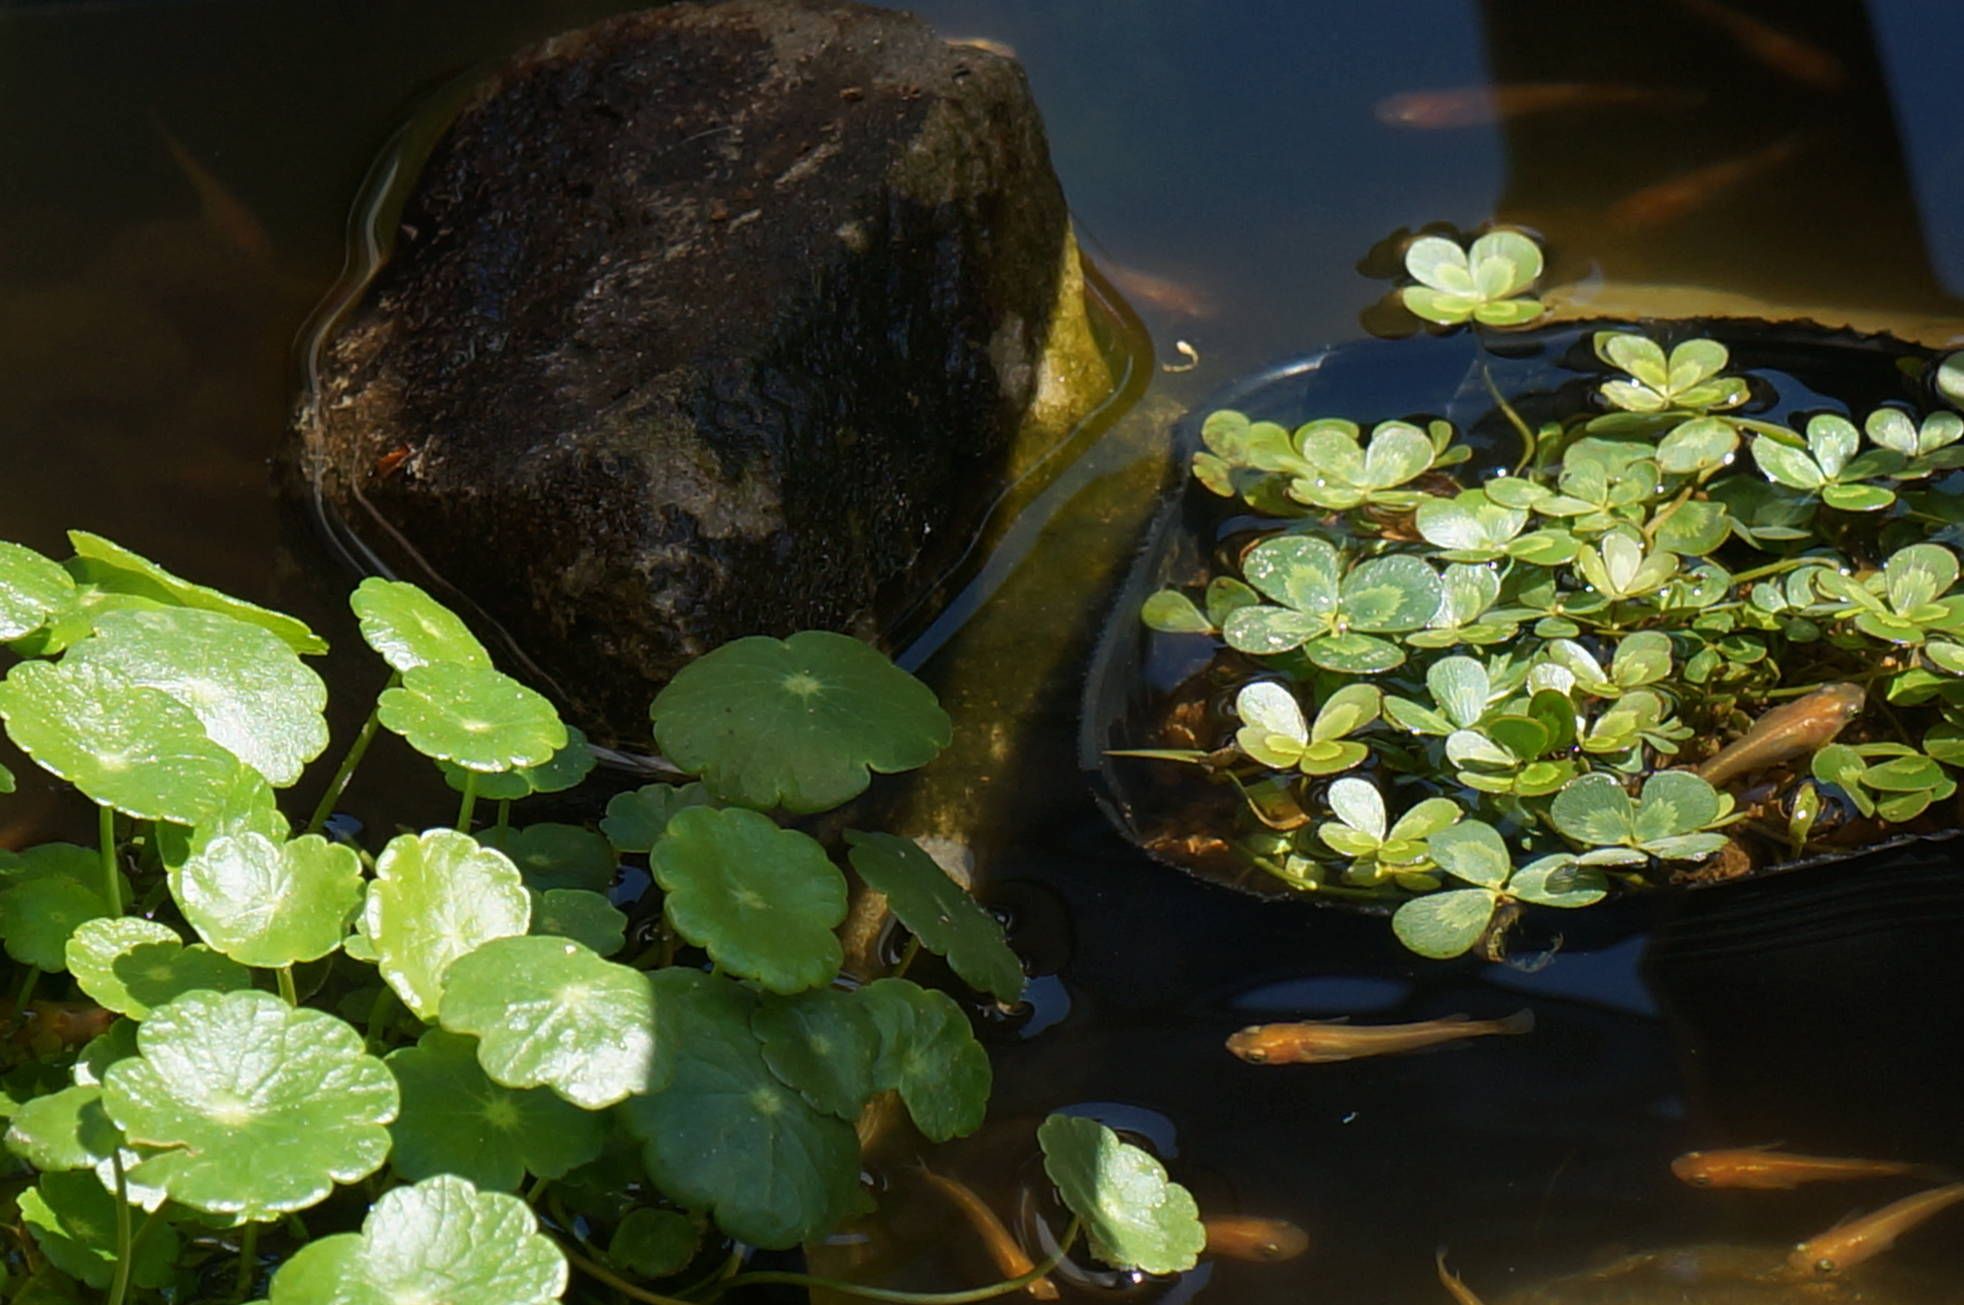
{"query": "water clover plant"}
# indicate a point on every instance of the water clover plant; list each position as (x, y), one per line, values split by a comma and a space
(1465, 695)
(477, 1059)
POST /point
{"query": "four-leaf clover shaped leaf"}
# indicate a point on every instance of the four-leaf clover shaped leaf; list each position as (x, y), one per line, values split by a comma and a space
(1478, 283)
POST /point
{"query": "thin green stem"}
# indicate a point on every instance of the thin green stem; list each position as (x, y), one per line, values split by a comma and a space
(990, 1292)
(25, 992)
(125, 1244)
(469, 803)
(345, 771)
(1513, 417)
(1771, 568)
(600, 1273)
(504, 813)
(379, 1015)
(248, 1262)
(288, 993)
(907, 955)
(536, 1190)
(112, 887)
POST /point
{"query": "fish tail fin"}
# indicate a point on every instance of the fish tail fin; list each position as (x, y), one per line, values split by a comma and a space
(1521, 1021)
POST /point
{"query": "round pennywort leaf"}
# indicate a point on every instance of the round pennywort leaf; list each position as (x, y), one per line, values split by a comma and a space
(1135, 1217)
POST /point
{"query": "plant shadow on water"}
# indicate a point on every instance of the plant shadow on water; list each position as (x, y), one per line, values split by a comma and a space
(1811, 1011)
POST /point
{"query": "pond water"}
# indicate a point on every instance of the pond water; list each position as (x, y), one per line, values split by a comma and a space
(178, 176)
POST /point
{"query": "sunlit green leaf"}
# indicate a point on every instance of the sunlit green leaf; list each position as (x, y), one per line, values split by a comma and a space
(410, 629)
(477, 717)
(32, 589)
(110, 566)
(131, 966)
(1135, 1217)
(1444, 924)
(1471, 850)
(436, 897)
(270, 904)
(1171, 612)
(559, 772)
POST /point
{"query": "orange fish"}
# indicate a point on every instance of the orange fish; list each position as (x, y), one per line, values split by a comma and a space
(1457, 1289)
(1783, 52)
(221, 209)
(1011, 1259)
(1671, 199)
(1793, 729)
(1480, 106)
(1176, 297)
(1848, 1244)
(1317, 1042)
(1251, 1237)
(1766, 1170)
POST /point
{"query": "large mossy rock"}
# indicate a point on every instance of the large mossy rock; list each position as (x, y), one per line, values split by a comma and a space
(707, 321)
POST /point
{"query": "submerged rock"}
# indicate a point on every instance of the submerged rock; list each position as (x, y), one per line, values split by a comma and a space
(702, 322)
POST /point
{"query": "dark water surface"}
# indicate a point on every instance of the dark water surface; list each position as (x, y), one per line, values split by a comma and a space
(174, 182)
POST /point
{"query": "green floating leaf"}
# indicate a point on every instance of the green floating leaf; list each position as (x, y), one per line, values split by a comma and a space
(1135, 1217)
(32, 589)
(1171, 612)
(1446, 924)
(654, 1243)
(548, 1012)
(270, 904)
(762, 901)
(64, 1130)
(249, 690)
(436, 897)
(135, 749)
(928, 1053)
(441, 1240)
(587, 918)
(73, 1220)
(260, 1108)
(112, 567)
(556, 856)
(939, 912)
(39, 915)
(132, 966)
(410, 629)
(559, 772)
(455, 1120)
(725, 1135)
(799, 723)
(637, 820)
(477, 717)
(822, 1043)
(1594, 809)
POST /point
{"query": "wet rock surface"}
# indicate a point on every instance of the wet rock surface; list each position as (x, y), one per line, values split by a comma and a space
(702, 322)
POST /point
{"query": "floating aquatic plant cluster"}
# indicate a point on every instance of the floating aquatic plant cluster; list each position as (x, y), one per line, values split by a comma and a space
(1461, 693)
(452, 1063)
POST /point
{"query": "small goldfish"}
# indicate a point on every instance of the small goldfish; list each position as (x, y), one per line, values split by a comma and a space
(1011, 1259)
(1455, 1287)
(1790, 56)
(1848, 1244)
(1671, 199)
(1180, 298)
(1763, 1169)
(1316, 1042)
(223, 211)
(1793, 729)
(1252, 1237)
(1480, 106)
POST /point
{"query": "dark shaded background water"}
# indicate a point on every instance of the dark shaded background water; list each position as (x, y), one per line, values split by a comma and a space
(145, 339)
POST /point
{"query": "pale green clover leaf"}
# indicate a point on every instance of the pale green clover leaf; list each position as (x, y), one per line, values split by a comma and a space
(440, 1240)
(1332, 615)
(436, 897)
(1479, 283)
(271, 904)
(1171, 612)
(549, 1012)
(131, 965)
(799, 723)
(455, 1120)
(410, 629)
(1665, 820)
(1620, 568)
(477, 717)
(1135, 1217)
(257, 1108)
(1275, 733)
(762, 901)
(939, 912)
(1687, 380)
(1830, 465)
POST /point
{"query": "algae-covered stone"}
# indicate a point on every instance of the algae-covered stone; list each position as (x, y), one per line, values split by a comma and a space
(703, 322)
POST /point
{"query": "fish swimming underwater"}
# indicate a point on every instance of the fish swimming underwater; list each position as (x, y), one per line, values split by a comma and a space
(1791, 730)
(1764, 1169)
(1453, 107)
(1011, 1259)
(1848, 1244)
(1253, 1237)
(1674, 197)
(1317, 1042)
(1454, 1285)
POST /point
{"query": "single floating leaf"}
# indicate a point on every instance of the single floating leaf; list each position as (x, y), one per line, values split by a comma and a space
(73, 1219)
(261, 1107)
(928, 1053)
(822, 1043)
(549, 1012)
(39, 915)
(798, 723)
(477, 717)
(654, 1243)
(270, 904)
(559, 772)
(410, 629)
(1135, 1217)
(725, 1135)
(1446, 924)
(132, 966)
(135, 749)
(552, 856)
(32, 589)
(440, 1240)
(762, 901)
(64, 1130)
(112, 567)
(438, 896)
(587, 918)
(249, 690)
(637, 820)
(455, 1120)
(939, 912)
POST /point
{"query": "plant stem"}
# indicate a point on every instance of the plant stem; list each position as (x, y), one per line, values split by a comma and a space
(248, 1262)
(112, 888)
(600, 1273)
(537, 1189)
(1771, 568)
(26, 991)
(288, 993)
(125, 1244)
(346, 770)
(378, 1016)
(469, 803)
(504, 813)
(907, 955)
(990, 1292)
